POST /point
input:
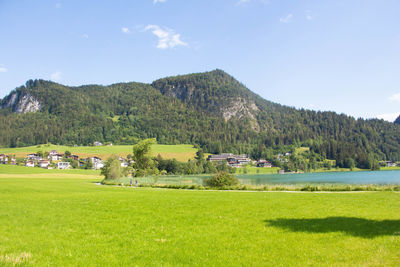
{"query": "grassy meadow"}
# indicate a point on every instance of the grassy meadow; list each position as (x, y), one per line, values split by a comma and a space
(180, 152)
(61, 218)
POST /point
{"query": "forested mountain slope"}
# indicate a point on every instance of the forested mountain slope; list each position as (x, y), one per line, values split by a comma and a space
(211, 109)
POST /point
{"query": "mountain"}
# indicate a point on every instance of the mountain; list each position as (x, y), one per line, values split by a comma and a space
(397, 121)
(210, 109)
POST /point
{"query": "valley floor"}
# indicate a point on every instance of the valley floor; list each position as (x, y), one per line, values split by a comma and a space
(66, 219)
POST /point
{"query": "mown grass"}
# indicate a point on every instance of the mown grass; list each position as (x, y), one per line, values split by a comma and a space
(66, 221)
(12, 169)
(180, 152)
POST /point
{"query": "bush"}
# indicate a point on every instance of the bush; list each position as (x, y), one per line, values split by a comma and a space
(221, 179)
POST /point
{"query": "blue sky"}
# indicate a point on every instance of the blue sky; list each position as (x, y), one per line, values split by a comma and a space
(340, 55)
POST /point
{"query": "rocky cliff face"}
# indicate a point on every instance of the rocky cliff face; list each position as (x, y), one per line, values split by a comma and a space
(21, 103)
(215, 92)
(239, 108)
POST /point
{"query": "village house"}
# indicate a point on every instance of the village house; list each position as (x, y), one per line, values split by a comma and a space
(53, 152)
(124, 162)
(232, 160)
(30, 163)
(44, 163)
(34, 157)
(55, 157)
(63, 165)
(97, 163)
(2, 158)
(242, 159)
(13, 161)
(390, 164)
(262, 163)
(74, 157)
(220, 157)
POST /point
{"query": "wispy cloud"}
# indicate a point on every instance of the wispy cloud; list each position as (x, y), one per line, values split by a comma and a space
(55, 76)
(241, 2)
(159, 1)
(309, 16)
(167, 38)
(58, 5)
(286, 19)
(125, 30)
(85, 35)
(3, 69)
(395, 98)
(389, 116)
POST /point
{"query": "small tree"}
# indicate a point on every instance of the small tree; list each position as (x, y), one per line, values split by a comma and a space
(112, 169)
(221, 179)
(143, 158)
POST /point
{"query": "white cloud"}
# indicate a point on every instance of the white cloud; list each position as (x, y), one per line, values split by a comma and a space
(125, 30)
(56, 76)
(389, 116)
(159, 1)
(167, 38)
(58, 5)
(286, 19)
(3, 69)
(395, 98)
(85, 36)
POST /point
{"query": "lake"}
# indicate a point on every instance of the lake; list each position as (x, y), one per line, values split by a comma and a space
(360, 177)
(356, 177)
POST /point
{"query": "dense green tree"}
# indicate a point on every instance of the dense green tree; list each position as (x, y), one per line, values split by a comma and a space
(112, 169)
(144, 162)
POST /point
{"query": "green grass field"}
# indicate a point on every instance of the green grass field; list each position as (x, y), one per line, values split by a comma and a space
(64, 219)
(180, 152)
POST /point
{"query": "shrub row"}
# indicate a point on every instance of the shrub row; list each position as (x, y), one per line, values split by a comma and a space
(306, 188)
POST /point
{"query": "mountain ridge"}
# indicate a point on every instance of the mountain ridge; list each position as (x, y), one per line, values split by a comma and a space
(211, 109)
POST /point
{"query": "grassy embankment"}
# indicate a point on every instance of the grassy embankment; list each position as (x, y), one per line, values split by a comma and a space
(180, 152)
(71, 221)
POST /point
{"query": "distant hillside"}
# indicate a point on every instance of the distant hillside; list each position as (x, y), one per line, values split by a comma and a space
(210, 109)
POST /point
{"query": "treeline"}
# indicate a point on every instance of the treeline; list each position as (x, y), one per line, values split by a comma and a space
(197, 166)
(190, 109)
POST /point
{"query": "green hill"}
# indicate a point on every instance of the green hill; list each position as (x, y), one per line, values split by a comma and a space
(210, 109)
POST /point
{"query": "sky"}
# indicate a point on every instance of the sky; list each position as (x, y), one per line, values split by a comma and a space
(330, 55)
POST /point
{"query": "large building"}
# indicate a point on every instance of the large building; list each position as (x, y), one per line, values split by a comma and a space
(231, 159)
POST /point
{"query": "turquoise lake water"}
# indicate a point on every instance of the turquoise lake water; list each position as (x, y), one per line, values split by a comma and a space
(363, 177)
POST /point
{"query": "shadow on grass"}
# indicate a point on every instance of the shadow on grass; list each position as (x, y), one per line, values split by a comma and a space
(353, 226)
